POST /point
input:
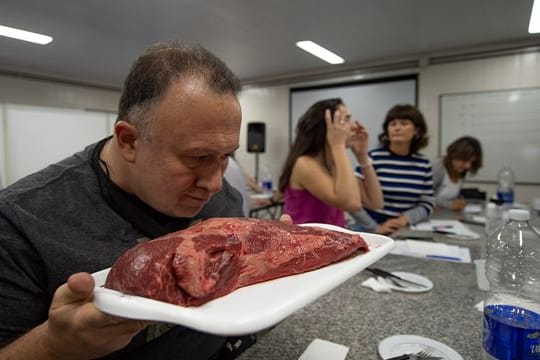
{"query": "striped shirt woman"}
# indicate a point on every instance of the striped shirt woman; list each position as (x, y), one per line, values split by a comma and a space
(405, 176)
(407, 185)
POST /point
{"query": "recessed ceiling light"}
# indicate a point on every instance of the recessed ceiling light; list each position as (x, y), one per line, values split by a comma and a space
(534, 23)
(320, 52)
(25, 35)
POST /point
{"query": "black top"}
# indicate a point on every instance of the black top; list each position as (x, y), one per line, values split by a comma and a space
(70, 217)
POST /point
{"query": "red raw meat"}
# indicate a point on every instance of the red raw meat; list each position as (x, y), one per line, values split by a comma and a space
(216, 256)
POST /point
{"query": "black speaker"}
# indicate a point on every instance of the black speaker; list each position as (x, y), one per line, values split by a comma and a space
(256, 137)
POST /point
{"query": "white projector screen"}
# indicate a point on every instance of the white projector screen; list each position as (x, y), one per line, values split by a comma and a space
(368, 101)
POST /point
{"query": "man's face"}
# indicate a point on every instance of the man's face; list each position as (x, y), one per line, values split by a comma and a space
(192, 132)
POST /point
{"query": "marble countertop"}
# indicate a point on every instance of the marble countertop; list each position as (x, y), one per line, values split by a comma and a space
(360, 318)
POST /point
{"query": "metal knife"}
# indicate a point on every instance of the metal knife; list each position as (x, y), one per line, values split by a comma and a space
(383, 273)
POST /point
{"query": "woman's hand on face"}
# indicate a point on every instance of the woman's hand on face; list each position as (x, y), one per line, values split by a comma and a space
(337, 128)
(359, 140)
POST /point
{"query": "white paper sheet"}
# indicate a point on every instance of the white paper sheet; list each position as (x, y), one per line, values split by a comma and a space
(452, 228)
(432, 251)
(324, 350)
(473, 208)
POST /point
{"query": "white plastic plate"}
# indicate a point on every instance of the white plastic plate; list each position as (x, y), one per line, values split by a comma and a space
(407, 344)
(419, 279)
(251, 308)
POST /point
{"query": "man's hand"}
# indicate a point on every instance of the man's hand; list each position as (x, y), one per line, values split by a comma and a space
(76, 329)
(286, 218)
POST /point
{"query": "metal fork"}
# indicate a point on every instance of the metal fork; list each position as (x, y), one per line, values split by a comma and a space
(396, 282)
(426, 355)
(422, 355)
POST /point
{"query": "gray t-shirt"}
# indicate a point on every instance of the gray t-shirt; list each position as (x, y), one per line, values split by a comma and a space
(59, 221)
(445, 189)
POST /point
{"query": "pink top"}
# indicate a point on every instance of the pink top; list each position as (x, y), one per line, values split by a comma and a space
(306, 208)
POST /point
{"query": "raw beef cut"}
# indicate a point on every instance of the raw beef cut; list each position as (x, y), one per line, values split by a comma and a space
(216, 256)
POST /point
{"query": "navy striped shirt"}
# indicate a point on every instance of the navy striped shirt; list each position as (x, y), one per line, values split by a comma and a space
(406, 183)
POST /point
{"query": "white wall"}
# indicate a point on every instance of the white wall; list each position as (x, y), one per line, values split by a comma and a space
(17, 90)
(24, 91)
(270, 104)
(508, 72)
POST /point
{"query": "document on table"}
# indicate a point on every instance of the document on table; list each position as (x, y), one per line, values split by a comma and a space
(323, 350)
(432, 251)
(451, 228)
(473, 208)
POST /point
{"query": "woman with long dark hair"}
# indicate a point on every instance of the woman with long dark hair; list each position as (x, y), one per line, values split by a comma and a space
(318, 180)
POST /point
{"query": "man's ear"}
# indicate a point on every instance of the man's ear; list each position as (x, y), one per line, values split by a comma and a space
(126, 136)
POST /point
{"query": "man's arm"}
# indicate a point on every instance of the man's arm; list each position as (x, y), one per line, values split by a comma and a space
(76, 329)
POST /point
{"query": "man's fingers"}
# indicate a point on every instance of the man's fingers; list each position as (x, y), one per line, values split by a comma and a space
(79, 287)
(81, 283)
(286, 218)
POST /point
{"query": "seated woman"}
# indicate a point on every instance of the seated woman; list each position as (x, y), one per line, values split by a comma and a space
(404, 174)
(318, 180)
(462, 156)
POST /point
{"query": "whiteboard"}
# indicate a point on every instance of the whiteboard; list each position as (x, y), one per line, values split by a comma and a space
(507, 123)
(368, 101)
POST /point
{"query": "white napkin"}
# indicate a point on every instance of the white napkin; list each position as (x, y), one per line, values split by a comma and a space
(479, 306)
(324, 350)
(377, 284)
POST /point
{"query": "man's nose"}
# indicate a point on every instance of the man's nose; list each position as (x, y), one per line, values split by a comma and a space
(211, 179)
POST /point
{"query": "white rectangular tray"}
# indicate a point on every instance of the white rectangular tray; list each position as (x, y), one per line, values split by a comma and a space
(251, 308)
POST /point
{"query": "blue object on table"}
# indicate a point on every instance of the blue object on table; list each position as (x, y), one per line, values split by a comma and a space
(442, 257)
(511, 323)
(511, 332)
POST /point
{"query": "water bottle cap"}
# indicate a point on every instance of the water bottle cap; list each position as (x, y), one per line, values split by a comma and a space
(519, 214)
(491, 209)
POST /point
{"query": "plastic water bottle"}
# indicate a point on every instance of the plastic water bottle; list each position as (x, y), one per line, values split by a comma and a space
(266, 182)
(512, 309)
(505, 185)
(494, 218)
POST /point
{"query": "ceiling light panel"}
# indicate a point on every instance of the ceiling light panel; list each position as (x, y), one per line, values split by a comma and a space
(320, 52)
(25, 35)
